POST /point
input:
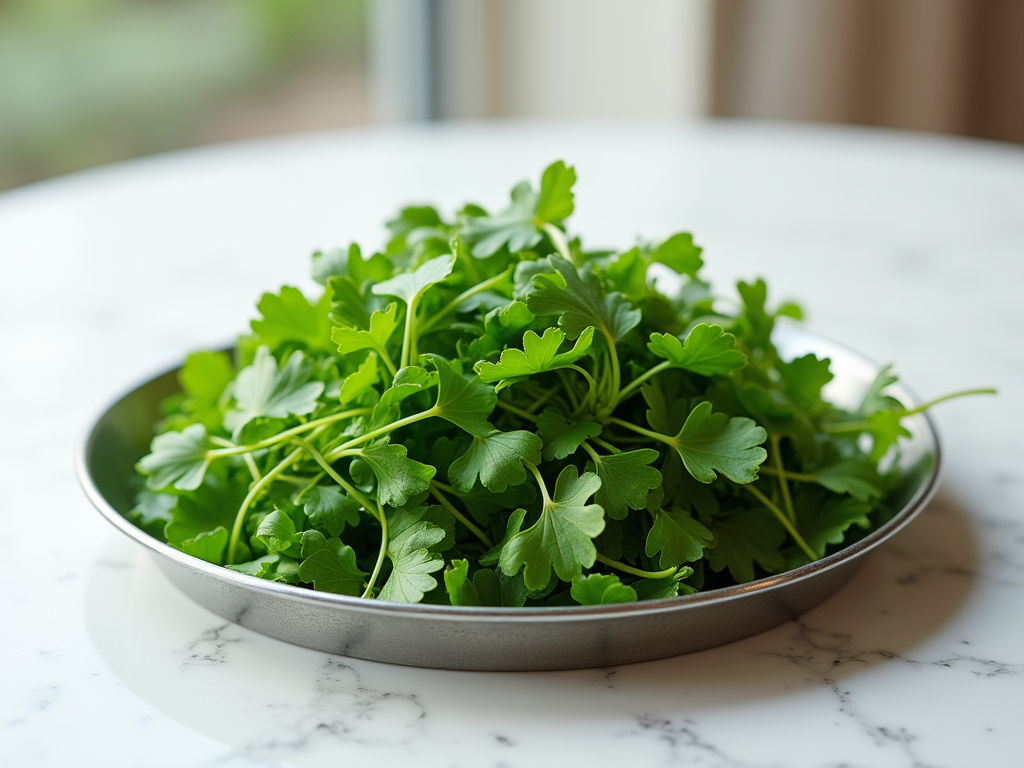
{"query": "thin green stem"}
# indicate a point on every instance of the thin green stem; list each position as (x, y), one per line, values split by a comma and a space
(541, 400)
(408, 340)
(386, 429)
(950, 396)
(616, 373)
(800, 477)
(645, 432)
(569, 389)
(436, 492)
(307, 485)
(606, 445)
(557, 238)
(781, 516)
(231, 449)
(517, 411)
(540, 482)
(636, 571)
(381, 553)
(593, 454)
(592, 393)
(250, 497)
(787, 500)
(430, 322)
(630, 389)
(865, 425)
(444, 487)
(250, 462)
(348, 487)
(386, 358)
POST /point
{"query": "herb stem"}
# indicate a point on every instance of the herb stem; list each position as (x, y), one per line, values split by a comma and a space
(540, 482)
(780, 473)
(408, 340)
(430, 322)
(383, 518)
(231, 449)
(800, 477)
(645, 432)
(459, 516)
(606, 445)
(781, 516)
(629, 389)
(386, 429)
(250, 497)
(349, 489)
(557, 238)
(593, 454)
(517, 411)
(636, 571)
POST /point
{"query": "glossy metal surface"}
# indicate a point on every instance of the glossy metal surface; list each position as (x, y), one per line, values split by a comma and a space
(499, 638)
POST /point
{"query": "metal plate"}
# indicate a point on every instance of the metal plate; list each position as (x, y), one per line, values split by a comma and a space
(502, 638)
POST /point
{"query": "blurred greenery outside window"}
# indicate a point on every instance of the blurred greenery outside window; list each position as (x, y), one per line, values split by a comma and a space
(86, 82)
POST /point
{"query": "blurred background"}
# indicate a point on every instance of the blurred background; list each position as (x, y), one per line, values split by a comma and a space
(87, 82)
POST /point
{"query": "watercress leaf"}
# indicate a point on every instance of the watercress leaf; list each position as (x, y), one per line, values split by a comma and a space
(803, 378)
(659, 589)
(211, 505)
(664, 414)
(262, 389)
(678, 536)
(756, 319)
(626, 479)
(601, 589)
(407, 382)
(513, 227)
(577, 297)
(555, 201)
(359, 383)
(272, 567)
(409, 286)
(488, 587)
(875, 398)
(679, 253)
(349, 262)
(329, 565)
(461, 591)
(885, 428)
(539, 354)
(465, 402)
(512, 527)
(563, 536)
(627, 273)
(412, 562)
(203, 379)
(208, 545)
(177, 459)
(329, 508)
(381, 326)
(152, 511)
(349, 308)
(825, 521)
(562, 436)
(483, 504)
(857, 477)
(289, 316)
(708, 350)
(744, 538)
(277, 531)
(496, 459)
(398, 477)
(713, 441)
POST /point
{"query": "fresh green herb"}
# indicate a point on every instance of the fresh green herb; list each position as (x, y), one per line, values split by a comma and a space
(487, 414)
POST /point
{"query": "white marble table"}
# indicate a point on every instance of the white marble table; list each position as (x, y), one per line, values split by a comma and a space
(907, 247)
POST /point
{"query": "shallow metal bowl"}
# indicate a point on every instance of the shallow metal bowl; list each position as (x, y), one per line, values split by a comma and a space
(501, 638)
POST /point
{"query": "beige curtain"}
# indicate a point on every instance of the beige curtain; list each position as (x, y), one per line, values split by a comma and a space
(953, 66)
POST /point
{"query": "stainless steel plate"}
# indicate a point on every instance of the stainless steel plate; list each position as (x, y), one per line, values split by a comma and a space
(501, 638)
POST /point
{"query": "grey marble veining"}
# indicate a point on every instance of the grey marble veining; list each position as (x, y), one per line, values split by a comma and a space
(908, 248)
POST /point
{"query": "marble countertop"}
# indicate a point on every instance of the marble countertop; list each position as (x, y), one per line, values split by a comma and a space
(906, 247)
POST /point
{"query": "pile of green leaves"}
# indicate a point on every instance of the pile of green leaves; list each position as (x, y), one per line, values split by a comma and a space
(486, 413)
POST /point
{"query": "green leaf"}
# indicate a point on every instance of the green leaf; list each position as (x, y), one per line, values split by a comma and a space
(264, 390)
(678, 536)
(328, 508)
(465, 402)
(601, 589)
(708, 350)
(497, 459)
(577, 297)
(381, 326)
(177, 459)
(875, 398)
(461, 591)
(626, 479)
(412, 560)
(203, 379)
(277, 531)
(555, 201)
(208, 546)
(659, 589)
(357, 384)
(713, 441)
(562, 537)
(803, 378)
(539, 354)
(759, 324)
(349, 262)
(512, 527)
(273, 567)
(213, 505)
(825, 521)
(409, 286)
(407, 382)
(857, 477)
(885, 428)
(562, 436)
(329, 565)
(680, 253)
(290, 316)
(747, 537)
(398, 477)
